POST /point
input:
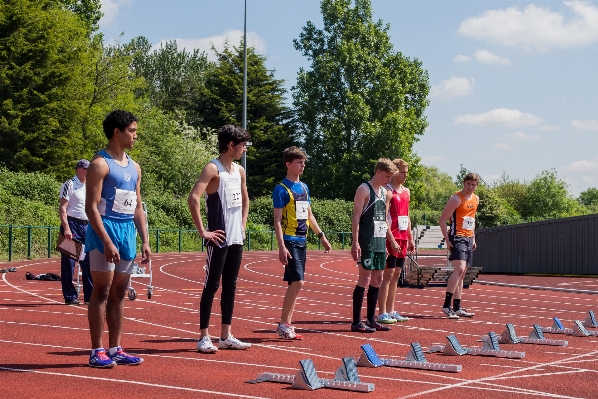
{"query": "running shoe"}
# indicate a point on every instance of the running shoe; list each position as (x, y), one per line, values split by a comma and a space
(122, 358)
(101, 360)
(286, 331)
(384, 318)
(73, 301)
(464, 313)
(396, 316)
(362, 328)
(450, 313)
(374, 324)
(232, 343)
(205, 345)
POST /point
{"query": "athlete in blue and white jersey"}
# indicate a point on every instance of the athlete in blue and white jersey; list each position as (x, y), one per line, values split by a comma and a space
(227, 202)
(114, 208)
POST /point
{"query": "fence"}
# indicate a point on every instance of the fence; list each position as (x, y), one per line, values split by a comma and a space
(555, 246)
(18, 242)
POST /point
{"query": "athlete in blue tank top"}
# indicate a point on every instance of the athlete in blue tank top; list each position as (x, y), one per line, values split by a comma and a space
(113, 206)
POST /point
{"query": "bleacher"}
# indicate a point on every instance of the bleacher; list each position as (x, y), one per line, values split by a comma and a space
(428, 237)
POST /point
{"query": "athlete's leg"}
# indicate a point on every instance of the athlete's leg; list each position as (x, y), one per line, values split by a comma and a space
(392, 288)
(214, 266)
(288, 304)
(359, 292)
(294, 275)
(384, 291)
(230, 272)
(96, 312)
(115, 306)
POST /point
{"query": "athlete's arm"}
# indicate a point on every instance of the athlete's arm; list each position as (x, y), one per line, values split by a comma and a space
(452, 204)
(411, 244)
(63, 219)
(208, 174)
(316, 229)
(283, 253)
(361, 196)
(244, 199)
(393, 243)
(96, 172)
(140, 221)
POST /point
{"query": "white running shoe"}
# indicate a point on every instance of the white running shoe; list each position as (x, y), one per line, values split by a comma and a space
(450, 313)
(286, 331)
(464, 313)
(232, 343)
(398, 317)
(384, 318)
(205, 345)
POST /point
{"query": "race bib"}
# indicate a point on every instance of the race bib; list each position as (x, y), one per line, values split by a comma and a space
(380, 228)
(233, 192)
(403, 222)
(301, 208)
(125, 202)
(468, 223)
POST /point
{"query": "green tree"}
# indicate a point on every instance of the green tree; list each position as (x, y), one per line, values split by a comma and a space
(437, 188)
(513, 192)
(359, 101)
(87, 10)
(589, 197)
(268, 118)
(43, 54)
(548, 197)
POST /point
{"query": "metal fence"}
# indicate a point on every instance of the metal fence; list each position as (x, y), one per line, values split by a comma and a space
(556, 246)
(29, 242)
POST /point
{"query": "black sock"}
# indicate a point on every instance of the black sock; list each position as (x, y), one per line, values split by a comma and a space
(358, 294)
(456, 304)
(447, 300)
(372, 302)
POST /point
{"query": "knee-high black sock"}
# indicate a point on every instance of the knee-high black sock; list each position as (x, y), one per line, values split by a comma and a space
(372, 302)
(456, 304)
(358, 293)
(447, 300)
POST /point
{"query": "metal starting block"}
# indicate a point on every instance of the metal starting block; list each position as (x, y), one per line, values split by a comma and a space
(510, 337)
(578, 329)
(415, 360)
(491, 347)
(590, 321)
(346, 378)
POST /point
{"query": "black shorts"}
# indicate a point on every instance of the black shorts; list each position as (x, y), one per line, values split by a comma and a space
(462, 249)
(393, 262)
(295, 269)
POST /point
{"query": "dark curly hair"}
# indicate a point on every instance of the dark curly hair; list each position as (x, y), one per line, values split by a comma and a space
(117, 119)
(228, 133)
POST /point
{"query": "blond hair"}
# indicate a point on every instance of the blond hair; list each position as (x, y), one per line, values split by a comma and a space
(400, 164)
(386, 165)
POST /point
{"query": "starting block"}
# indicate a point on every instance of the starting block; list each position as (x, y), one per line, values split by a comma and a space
(491, 347)
(415, 360)
(578, 329)
(346, 378)
(590, 321)
(536, 337)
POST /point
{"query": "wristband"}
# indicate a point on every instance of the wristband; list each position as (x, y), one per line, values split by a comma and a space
(321, 234)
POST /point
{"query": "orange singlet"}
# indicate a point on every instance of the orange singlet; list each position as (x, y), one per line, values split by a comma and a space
(463, 219)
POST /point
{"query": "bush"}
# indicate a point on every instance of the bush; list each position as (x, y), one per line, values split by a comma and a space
(39, 187)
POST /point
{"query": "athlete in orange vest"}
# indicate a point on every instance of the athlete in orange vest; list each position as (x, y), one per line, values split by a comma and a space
(460, 240)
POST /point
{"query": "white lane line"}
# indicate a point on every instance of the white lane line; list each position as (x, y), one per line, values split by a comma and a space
(147, 384)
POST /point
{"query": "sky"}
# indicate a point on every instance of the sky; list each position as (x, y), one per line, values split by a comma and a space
(514, 84)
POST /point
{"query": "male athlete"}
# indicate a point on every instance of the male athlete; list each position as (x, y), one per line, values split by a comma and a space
(400, 227)
(292, 218)
(370, 230)
(461, 210)
(113, 206)
(227, 204)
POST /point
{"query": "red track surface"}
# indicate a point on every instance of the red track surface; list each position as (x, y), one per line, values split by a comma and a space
(44, 344)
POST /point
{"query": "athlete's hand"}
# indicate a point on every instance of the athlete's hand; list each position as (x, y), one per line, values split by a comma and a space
(448, 246)
(326, 244)
(111, 253)
(68, 234)
(355, 251)
(411, 246)
(474, 245)
(396, 248)
(146, 252)
(216, 236)
(284, 255)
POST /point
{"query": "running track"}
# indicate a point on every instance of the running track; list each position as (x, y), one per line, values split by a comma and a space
(44, 344)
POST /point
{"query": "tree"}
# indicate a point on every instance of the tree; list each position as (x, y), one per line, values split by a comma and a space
(548, 197)
(87, 10)
(437, 188)
(513, 192)
(359, 101)
(43, 54)
(269, 120)
(589, 197)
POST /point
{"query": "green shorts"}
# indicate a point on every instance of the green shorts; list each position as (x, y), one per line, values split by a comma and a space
(372, 260)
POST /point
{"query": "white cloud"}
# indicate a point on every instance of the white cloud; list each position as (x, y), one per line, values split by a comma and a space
(462, 58)
(536, 28)
(502, 146)
(432, 159)
(585, 125)
(453, 87)
(233, 36)
(110, 9)
(581, 166)
(499, 117)
(487, 57)
(524, 137)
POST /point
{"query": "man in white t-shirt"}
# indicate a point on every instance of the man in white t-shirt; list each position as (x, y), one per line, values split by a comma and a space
(73, 225)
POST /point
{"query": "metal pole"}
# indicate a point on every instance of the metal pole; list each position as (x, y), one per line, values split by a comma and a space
(244, 121)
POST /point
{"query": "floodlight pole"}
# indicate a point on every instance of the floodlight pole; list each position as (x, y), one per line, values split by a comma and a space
(244, 122)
